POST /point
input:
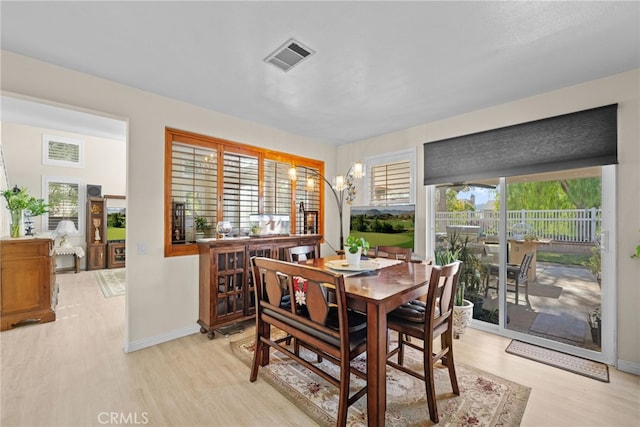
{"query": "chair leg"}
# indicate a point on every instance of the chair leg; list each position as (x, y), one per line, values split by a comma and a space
(343, 399)
(401, 347)
(257, 359)
(447, 340)
(430, 386)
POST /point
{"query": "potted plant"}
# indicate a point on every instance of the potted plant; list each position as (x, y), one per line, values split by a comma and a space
(18, 200)
(637, 252)
(354, 247)
(595, 322)
(593, 264)
(462, 308)
(201, 225)
(471, 283)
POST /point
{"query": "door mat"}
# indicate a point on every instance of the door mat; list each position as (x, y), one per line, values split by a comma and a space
(485, 399)
(577, 365)
(112, 282)
(561, 326)
(547, 291)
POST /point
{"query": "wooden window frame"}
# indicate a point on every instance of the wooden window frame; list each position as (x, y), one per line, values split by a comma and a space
(222, 145)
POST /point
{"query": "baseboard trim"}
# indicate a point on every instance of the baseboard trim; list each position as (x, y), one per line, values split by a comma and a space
(159, 339)
(630, 367)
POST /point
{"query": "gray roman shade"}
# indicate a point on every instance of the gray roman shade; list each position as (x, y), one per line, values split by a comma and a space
(581, 139)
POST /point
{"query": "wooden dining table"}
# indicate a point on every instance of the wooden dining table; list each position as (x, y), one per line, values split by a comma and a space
(377, 292)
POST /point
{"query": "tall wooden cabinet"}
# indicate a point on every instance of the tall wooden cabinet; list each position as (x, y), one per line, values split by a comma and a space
(96, 233)
(28, 291)
(226, 282)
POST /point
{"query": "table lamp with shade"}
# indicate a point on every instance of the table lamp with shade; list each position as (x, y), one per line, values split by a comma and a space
(64, 229)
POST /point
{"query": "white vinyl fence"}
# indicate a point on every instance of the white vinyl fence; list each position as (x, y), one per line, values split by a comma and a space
(572, 225)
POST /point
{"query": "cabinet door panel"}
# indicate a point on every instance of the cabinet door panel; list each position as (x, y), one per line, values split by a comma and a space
(28, 289)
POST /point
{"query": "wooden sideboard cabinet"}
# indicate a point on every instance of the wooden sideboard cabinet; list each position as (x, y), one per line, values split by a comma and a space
(117, 255)
(226, 283)
(28, 291)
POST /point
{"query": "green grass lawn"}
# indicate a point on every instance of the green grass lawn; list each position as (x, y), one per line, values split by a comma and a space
(114, 233)
(562, 258)
(403, 240)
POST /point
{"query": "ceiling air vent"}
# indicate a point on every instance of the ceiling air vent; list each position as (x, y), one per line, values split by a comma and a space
(289, 54)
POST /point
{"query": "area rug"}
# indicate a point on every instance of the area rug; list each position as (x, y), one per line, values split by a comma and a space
(112, 282)
(485, 399)
(588, 368)
(560, 325)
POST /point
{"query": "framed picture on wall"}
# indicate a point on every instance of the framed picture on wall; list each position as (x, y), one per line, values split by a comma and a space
(310, 222)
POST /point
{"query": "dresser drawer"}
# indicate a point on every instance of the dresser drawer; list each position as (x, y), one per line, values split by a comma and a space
(24, 248)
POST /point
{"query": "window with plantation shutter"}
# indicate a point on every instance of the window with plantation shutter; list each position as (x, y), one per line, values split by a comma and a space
(209, 179)
(277, 187)
(307, 193)
(240, 183)
(63, 197)
(62, 151)
(193, 189)
(390, 183)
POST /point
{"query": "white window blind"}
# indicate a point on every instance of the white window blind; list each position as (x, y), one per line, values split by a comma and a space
(390, 183)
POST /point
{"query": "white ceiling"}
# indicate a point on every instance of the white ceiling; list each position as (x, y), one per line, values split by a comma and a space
(378, 66)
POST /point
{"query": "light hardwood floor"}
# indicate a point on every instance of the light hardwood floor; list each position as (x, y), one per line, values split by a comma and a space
(73, 372)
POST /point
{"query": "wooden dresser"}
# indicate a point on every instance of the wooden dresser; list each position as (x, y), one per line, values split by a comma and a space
(28, 290)
(226, 282)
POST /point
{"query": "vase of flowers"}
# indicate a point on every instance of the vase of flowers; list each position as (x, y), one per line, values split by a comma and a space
(18, 200)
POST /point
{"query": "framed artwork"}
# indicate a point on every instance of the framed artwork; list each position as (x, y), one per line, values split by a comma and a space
(310, 222)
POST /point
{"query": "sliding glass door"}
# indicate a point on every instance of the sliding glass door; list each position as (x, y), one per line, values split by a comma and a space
(553, 280)
(537, 249)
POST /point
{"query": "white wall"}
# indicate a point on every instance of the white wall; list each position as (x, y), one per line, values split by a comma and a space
(162, 293)
(623, 89)
(104, 164)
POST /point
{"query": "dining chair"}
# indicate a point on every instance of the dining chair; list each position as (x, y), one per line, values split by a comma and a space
(426, 322)
(302, 253)
(393, 252)
(328, 329)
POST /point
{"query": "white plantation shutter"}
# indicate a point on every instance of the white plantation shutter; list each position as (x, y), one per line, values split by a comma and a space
(241, 190)
(277, 187)
(62, 151)
(309, 198)
(194, 184)
(390, 183)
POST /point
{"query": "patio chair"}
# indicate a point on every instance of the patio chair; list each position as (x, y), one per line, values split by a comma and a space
(517, 276)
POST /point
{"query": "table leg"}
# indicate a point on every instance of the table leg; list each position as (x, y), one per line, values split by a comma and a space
(77, 261)
(376, 365)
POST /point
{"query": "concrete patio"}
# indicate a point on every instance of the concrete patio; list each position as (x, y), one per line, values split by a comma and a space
(558, 305)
